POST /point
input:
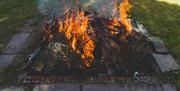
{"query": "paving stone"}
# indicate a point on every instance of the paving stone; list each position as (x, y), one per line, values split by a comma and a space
(169, 87)
(158, 45)
(100, 87)
(58, 87)
(136, 29)
(165, 62)
(17, 42)
(12, 89)
(143, 30)
(27, 29)
(29, 26)
(5, 60)
(126, 87)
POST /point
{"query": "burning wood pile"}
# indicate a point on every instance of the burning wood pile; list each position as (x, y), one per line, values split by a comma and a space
(84, 43)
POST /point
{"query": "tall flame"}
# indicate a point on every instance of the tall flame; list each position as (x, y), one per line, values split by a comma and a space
(77, 30)
(123, 8)
(79, 33)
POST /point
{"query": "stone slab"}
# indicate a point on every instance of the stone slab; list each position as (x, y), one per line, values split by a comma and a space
(30, 26)
(5, 61)
(165, 62)
(58, 87)
(105, 87)
(17, 42)
(28, 29)
(143, 30)
(127, 87)
(158, 45)
(169, 87)
(12, 89)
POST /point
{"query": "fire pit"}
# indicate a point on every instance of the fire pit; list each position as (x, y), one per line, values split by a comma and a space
(83, 44)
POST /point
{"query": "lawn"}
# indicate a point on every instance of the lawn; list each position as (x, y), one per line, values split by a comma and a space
(13, 14)
(161, 19)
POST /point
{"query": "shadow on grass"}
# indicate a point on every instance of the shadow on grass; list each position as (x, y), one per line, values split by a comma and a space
(161, 19)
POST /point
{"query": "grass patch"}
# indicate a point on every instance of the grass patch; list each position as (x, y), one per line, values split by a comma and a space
(13, 74)
(9, 77)
(13, 14)
(161, 19)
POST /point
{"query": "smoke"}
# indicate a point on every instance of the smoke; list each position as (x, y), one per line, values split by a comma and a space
(57, 7)
(50, 7)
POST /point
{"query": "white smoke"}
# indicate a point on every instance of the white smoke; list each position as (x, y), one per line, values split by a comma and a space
(50, 7)
(56, 7)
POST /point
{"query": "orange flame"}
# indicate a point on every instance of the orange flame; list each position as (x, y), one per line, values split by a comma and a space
(77, 30)
(124, 8)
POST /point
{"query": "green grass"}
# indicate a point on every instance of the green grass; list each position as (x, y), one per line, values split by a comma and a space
(161, 19)
(13, 14)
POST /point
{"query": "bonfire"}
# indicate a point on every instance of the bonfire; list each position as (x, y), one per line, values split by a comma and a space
(82, 42)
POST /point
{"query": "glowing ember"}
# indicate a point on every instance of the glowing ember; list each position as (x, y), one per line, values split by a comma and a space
(77, 30)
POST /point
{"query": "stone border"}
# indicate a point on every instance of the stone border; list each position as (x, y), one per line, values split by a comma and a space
(162, 58)
(97, 87)
(18, 42)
